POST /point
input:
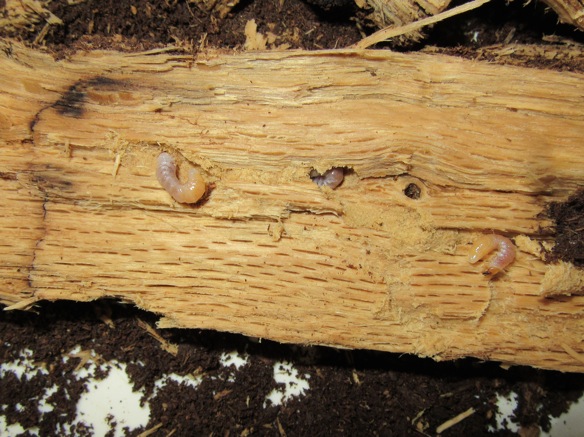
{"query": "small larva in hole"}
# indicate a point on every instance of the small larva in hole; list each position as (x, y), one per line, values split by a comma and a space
(189, 192)
(331, 178)
(503, 257)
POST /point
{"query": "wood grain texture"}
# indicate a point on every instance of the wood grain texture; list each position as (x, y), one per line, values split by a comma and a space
(268, 253)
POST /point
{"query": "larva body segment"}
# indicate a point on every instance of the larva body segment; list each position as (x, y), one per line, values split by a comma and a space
(189, 192)
(504, 255)
(331, 178)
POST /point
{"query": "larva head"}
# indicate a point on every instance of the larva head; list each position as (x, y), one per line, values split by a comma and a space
(491, 271)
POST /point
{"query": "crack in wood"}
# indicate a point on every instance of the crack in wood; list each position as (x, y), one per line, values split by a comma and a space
(32, 266)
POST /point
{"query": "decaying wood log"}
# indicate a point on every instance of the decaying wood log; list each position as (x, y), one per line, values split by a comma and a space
(438, 150)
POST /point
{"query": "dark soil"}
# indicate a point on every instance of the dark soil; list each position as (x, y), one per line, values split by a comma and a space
(351, 392)
(568, 218)
(134, 26)
(128, 25)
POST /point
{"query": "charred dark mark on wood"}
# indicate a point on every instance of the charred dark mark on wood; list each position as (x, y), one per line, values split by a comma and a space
(47, 183)
(35, 120)
(71, 104)
(73, 101)
(6, 176)
(49, 178)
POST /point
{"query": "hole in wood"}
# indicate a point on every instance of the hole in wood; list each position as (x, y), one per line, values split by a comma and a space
(413, 191)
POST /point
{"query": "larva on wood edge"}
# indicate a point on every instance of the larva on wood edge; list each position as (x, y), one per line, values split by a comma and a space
(189, 192)
(331, 178)
(504, 255)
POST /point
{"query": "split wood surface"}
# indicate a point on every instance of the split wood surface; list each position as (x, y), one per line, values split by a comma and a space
(268, 253)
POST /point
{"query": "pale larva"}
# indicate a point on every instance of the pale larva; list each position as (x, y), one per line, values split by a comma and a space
(503, 257)
(189, 192)
(331, 178)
